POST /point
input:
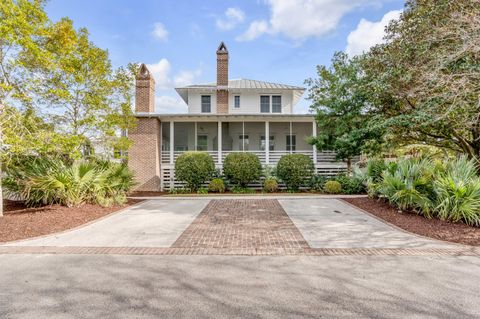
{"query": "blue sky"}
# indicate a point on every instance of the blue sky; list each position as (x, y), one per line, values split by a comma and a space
(272, 40)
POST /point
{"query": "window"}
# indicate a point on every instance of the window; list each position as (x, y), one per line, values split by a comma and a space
(237, 101)
(271, 145)
(265, 104)
(291, 143)
(202, 143)
(243, 139)
(206, 103)
(276, 104)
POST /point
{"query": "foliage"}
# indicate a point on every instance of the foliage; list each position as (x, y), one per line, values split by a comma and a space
(316, 182)
(194, 168)
(202, 190)
(424, 81)
(457, 192)
(44, 181)
(295, 170)
(341, 106)
(269, 171)
(332, 187)
(410, 186)
(270, 185)
(242, 168)
(242, 190)
(216, 186)
(350, 185)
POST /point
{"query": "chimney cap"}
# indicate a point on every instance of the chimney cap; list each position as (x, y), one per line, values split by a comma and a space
(143, 72)
(222, 48)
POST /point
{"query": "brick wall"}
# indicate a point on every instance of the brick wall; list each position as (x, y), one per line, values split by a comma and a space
(222, 79)
(144, 155)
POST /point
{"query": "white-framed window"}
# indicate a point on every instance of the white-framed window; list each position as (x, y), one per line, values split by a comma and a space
(274, 107)
(206, 101)
(264, 103)
(271, 143)
(202, 142)
(276, 104)
(291, 142)
(236, 101)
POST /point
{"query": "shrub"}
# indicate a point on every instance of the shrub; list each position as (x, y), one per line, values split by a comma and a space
(216, 186)
(410, 185)
(457, 192)
(270, 185)
(202, 190)
(332, 187)
(317, 182)
(194, 168)
(242, 190)
(55, 182)
(295, 170)
(374, 170)
(242, 168)
(350, 185)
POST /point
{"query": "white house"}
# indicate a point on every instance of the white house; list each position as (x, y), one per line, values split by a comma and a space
(223, 117)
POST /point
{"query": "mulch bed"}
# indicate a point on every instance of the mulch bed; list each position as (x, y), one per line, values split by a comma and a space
(20, 222)
(409, 221)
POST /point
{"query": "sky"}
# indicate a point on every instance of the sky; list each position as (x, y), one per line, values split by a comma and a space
(278, 41)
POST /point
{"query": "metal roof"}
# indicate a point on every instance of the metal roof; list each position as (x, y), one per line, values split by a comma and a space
(247, 84)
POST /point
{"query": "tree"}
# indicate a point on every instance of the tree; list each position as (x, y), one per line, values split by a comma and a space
(424, 83)
(342, 107)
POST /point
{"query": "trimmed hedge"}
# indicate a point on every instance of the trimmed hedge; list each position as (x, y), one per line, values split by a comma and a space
(194, 168)
(295, 170)
(242, 168)
(270, 185)
(216, 186)
(333, 187)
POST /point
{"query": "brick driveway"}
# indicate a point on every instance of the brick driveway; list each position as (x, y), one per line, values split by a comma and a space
(261, 224)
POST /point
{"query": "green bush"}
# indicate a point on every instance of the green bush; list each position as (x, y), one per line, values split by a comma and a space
(194, 168)
(374, 170)
(332, 187)
(350, 185)
(55, 182)
(317, 182)
(242, 168)
(295, 170)
(457, 192)
(270, 185)
(242, 190)
(216, 186)
(410, 186)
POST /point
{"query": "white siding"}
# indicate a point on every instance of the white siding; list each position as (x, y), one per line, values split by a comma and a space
(249, 101)
(195, 104)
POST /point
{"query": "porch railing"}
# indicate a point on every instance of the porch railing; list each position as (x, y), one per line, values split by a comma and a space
(323, 157)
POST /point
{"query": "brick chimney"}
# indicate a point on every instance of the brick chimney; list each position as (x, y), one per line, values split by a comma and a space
(144, 91)
(222, 79)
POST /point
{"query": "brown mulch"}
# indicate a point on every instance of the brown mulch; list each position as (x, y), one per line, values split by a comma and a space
(20, 222)
(409, 221)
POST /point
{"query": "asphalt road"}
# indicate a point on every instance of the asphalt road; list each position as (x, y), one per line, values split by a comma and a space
(109, 286)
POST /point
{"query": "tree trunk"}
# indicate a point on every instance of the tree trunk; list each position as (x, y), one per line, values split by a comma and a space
(1, 172)
(349, 166)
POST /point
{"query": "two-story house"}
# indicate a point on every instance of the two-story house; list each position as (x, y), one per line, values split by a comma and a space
(224, 116)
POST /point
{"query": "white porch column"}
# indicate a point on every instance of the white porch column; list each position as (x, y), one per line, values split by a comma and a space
(219, 142)
(171, 141)
(291, 142)
(314, 133)
(243, 136)
(196, 135)
(267, 143)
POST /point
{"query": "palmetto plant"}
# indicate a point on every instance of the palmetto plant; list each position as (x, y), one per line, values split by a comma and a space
(409, 186)
(55, 182)
(457, 192)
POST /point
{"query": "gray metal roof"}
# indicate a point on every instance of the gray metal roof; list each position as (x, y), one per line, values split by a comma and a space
(247, 84)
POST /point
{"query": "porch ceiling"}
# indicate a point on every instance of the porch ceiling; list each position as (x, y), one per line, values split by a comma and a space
(230, 117)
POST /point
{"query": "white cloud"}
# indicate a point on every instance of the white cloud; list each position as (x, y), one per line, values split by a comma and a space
(186, 77)
(367, 34)
(255, 29)
(161, 74)
(232, 17)
(300, 19)
(170, 104)
(159, 31)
